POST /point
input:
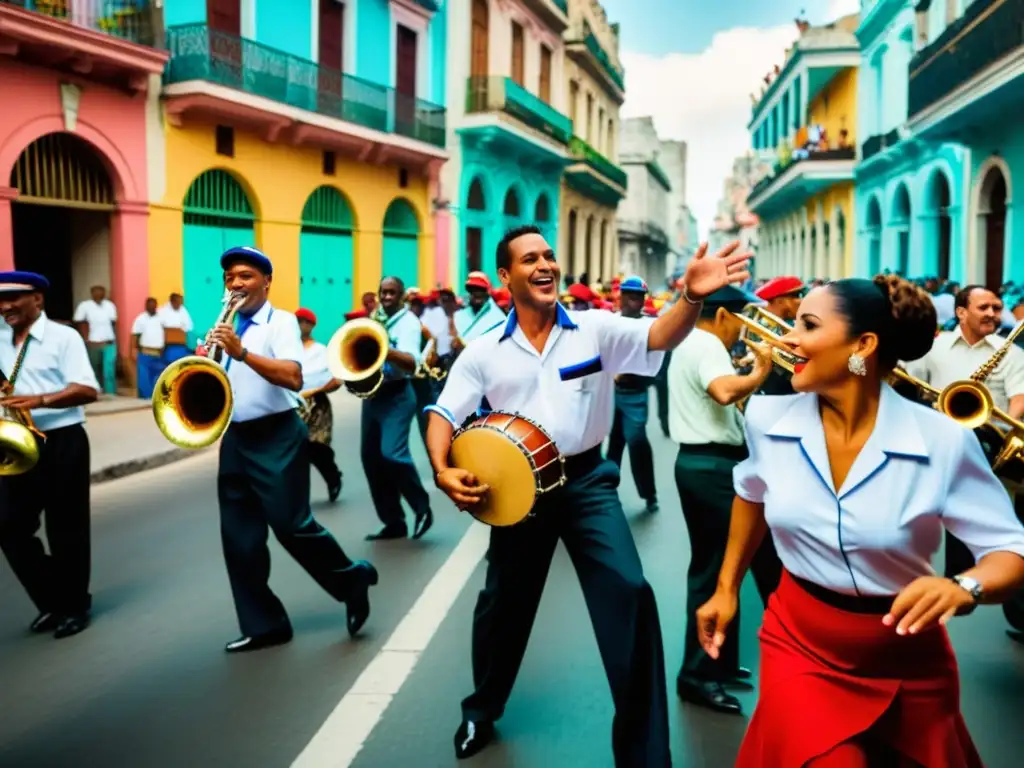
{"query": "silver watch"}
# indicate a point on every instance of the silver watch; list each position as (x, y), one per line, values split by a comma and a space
(973, 587)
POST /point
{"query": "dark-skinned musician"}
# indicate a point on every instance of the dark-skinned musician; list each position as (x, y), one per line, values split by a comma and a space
(263, 479)
(557, 368)
(53, 382)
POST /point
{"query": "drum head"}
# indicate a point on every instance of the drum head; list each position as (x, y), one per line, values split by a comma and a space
(496, 461)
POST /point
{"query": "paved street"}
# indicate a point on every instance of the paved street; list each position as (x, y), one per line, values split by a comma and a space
(148, 684)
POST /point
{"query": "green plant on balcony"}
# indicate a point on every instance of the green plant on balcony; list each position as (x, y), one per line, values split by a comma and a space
(581, 150)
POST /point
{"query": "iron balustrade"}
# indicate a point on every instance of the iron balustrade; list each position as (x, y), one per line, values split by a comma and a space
(130, 20)
(580, 150)
(846, 153)
(489, 93)
(201, 53)
(589, 39)
(988, 31)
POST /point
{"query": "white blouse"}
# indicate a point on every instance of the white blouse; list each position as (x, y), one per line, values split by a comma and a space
(918, 472)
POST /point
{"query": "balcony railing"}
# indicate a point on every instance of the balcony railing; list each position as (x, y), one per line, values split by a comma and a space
(200, 53)
(584, 34)
(877, 144)
(130, 20)
(847, 153)
(988, 31)
(580, 150)
(503, 94)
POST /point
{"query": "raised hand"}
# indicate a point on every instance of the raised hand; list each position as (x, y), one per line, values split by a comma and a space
(706, 274)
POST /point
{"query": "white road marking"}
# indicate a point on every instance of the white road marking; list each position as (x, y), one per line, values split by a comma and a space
(347, 728)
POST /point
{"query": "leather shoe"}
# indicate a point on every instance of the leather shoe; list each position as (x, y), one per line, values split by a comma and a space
(472, 736)
(423, 523)
(742, 673)
(389, 532)
(248, 643)
(741, 677)
(334, 488)
(71, 625)
(364, 576)
(652, 506)
(44, 622)
(710, 694)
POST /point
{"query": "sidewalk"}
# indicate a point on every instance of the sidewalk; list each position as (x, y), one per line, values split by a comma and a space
(124, 438)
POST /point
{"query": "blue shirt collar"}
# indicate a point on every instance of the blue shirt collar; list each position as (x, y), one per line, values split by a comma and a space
(561, 318)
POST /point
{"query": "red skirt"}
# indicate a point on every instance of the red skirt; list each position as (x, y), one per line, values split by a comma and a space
(829, 675)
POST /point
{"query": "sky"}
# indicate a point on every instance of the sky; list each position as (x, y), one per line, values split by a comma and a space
(692, 64)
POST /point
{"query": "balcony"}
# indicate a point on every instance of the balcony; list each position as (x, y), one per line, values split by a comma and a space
(593, 175)
(971, 73)
(554, 13)
(588, 52)
(648, 232)
(878, 144)
(104, 41)
(793, 183)
(217, 76)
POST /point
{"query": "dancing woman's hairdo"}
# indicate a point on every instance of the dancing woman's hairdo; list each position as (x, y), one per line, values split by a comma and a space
(900, 313)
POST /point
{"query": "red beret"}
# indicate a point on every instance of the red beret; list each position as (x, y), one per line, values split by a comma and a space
(501, 297)
(305, 314)
(356, 313)
(580, 292)
(779, 286)
(478, 280)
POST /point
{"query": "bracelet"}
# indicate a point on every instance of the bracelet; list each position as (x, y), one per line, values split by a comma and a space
(245, 354)
(688, 300)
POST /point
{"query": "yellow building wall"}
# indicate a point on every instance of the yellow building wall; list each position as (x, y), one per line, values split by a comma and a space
(279, 178)
(835, 107)
(840, 195)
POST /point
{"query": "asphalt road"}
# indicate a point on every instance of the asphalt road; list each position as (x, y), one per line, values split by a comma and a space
(149, 685)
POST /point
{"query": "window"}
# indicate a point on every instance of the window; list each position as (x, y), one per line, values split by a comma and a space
(545, 74)
(574, 97)
(588, 133)
(224, 140)
(478, 66)
(518, 57)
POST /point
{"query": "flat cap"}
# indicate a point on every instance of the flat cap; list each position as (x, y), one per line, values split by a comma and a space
(247, 255)
(18, 281)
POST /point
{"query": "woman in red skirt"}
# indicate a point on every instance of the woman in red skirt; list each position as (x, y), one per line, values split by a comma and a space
(857, 484)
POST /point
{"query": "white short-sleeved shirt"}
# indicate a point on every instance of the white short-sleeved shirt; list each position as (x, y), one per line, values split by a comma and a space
(274, 333)
(175, 318)
(406, 334)
(952, 358)
(568, 389)
(472, 325)
(693, 417)
(315, 373)
(56, 357)
(436, 321)
(100, 318)
(918, 473)
(150, 330)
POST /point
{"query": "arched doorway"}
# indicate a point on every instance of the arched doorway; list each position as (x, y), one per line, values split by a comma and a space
(992, 225)
(589, 266)
(938, 199)
(542, 217)
(815, 257)
(873, 222)
(511, 208)
(401, 257)
(476, 216)
(61, 219)
(827, 260)
(606, 257)
(573, 259)
(899, 219)
(218, 216)
(326, 260)
(840, 245)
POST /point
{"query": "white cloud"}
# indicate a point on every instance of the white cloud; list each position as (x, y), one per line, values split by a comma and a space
(704, 99)
(838, 8)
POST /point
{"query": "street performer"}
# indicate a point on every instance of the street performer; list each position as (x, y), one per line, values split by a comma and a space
(264, 465)
(317, 384)
(46, 366)
(857, 483)
(557, 369)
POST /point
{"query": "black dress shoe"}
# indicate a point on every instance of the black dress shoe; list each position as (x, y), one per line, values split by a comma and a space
(472, 736)
(652, 505)
(1013, 634)
(423, 523)
(71, 625)
(357, 604)
(741, 677)
(44, 622)
(334, 488)
(389, 532)
(710, 694)
(258, 642)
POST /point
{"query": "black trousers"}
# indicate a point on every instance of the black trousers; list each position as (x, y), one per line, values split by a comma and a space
(321, 456)
(661, 388)
(587, 516)
(425, 391)
(629, 428)
(264, 483)
(59, 486)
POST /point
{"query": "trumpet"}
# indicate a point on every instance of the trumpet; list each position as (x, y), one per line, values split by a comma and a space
(356, 355)
(192, 399)
(19, 438)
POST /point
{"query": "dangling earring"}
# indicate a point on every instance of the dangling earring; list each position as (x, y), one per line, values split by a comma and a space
(857, 365)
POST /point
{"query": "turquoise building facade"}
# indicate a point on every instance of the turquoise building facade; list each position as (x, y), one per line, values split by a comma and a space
(912, 194)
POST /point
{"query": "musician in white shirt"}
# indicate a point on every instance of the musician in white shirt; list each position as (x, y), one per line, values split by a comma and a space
(557, 369)
(177, 325)
(317, 383)
(856, 485)
(148, 349)
(95, 320)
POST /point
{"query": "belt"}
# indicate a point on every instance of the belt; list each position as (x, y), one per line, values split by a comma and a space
(151, 351)
(876, 605)
(581, 464)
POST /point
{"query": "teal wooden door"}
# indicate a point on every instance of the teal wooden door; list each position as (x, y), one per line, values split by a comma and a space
(325, 279)
(401, 259)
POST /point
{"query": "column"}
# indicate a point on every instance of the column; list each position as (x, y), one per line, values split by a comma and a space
(821, 255)
(7, 196)
(129, 269)
(442, 227)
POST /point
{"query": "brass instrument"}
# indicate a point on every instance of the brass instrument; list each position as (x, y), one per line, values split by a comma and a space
(192, 399)
(19, 446)
(356, 355)
(424, 368)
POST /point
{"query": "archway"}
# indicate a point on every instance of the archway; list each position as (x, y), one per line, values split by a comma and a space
(326, 262)
(401, 257)
(992, 198)
(572, 259)
(511, 208)
(605, 257)
(899, 219)
(218, 216)
(590, 268)
(476, 216)
(826, 252)
(839, 245)
(542, 218)
(937, 201)
(62, 219)
(814, 260)
(873, 221)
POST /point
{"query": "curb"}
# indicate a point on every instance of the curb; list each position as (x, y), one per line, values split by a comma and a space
(134, 466)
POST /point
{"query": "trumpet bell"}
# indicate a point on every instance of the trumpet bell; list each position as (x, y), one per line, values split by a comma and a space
(966, 402)
(192, 402)
(356, 355)
(19, 449)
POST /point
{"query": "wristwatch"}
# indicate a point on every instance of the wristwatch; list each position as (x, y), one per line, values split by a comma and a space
(973, 587)
(245, 354)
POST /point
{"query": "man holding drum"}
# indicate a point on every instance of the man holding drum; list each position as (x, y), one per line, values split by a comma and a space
(556, 368)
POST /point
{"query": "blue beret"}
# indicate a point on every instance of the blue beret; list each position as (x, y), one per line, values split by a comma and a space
(18, 282)
(730, 295)
(248, 255)
(633, 284)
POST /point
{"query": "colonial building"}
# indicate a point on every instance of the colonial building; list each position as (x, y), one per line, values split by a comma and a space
(733, 219)
(681, 226)
(313, 129)
(593, 183)
(509, 131)
(966, 88)
(807, 115)
(644, 214)
(79, 85)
